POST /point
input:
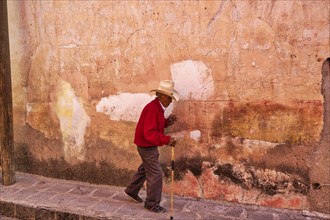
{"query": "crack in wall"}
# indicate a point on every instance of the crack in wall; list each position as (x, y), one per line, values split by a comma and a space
(271, 8)
(217, 14)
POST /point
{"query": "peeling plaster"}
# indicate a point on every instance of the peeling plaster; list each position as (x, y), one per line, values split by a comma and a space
(126, 106)
(73, 121)
(195, 135)
(193, 80)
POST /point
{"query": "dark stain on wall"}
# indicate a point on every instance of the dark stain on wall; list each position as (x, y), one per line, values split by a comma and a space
(233, 150)
(102, 173)
(247, 176)
(288, 158)
(226, 171)
(269, 186)
(183, 164)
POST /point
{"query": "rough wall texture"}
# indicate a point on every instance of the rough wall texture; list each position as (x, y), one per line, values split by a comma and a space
(249, 74)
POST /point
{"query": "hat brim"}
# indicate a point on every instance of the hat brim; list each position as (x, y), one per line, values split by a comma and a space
(174, 95)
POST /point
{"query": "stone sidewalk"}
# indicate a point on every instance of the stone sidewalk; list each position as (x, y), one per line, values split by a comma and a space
(37, 197)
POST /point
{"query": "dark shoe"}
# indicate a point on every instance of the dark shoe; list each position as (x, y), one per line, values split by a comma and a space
(157, 209)
(136, 198)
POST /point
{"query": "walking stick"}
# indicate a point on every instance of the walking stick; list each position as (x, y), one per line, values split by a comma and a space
(172, 184)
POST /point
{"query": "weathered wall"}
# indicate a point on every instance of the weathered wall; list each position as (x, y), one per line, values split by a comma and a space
(249, 74)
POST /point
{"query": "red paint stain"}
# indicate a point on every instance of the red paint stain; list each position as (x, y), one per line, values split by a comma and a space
(295, 203)
(276, 203)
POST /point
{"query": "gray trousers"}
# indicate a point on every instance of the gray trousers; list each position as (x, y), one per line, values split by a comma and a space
(151, 171)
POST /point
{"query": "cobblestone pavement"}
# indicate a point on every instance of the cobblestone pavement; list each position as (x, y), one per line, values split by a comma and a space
(37, 197)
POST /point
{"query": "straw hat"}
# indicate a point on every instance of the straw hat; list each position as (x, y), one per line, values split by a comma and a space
(167, 87)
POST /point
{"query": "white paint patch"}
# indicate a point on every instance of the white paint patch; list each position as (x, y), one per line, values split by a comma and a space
(195, 135)
(308, 34)
(126, 106)
(73, 121)
(193, 80)
(29, 108)
(69, 46)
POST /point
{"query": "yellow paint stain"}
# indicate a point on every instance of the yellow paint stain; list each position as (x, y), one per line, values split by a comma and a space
(73, 121)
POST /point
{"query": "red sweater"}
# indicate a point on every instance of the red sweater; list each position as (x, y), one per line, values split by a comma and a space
(150, 127)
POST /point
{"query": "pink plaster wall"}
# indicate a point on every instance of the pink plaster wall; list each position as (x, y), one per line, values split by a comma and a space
(249, 74)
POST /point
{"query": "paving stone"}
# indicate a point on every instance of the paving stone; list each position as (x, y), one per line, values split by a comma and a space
(40, 185)
(233, 212)
(205, 207)
(184, 215)
(130, 209)
(83, 202)
(105, 193)
(25, 181)
(42, 196)
(25, 193)
(81, 190)
(260, 215)
(90, 218)
(151, 215)
(8, 191)
(108, 206)
(179, 204)
(61, 188)
(64, 200)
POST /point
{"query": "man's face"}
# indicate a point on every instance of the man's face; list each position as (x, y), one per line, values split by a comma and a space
(165, 100)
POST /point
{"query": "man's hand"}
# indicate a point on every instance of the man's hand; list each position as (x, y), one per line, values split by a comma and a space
(172, 142)
(171, 119)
